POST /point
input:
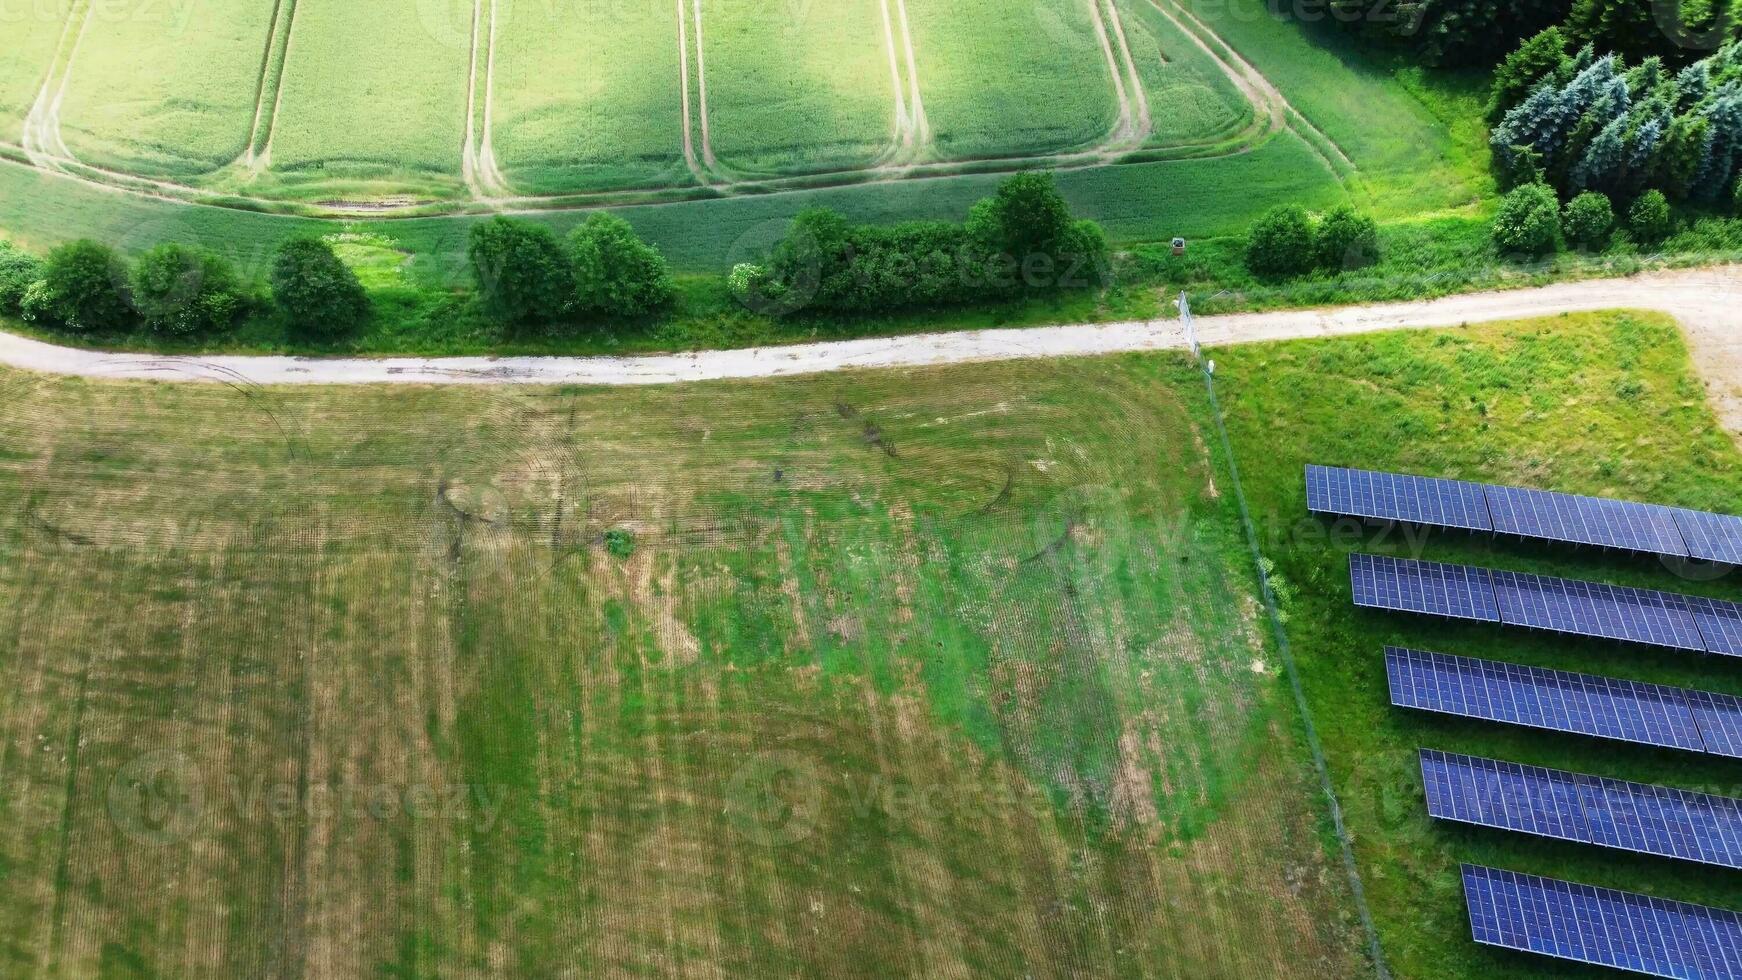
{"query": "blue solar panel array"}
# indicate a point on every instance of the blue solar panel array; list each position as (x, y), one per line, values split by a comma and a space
(1609, 928)
(1711, 537)
(1591, 609)
(1585, 520)
(1570, 806)
(1427, 587)
(1539, 602)
(1542, 514)
(1395, 497)
(1556, 700)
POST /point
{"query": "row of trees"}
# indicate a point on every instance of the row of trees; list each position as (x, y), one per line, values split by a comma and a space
(1023, 240)
(1587, 122)
(1286, 241)
(1474, 32)
(529, 278)
(1531, 221)
(177, 291)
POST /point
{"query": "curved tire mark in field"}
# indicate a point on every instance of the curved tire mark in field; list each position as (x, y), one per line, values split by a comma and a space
(1258, 88)
(491, 174)
(708, 158)
(1125, 128)
(490, 187)
(1145, 122)
(43, 143)
(483, 178)
(903, 127)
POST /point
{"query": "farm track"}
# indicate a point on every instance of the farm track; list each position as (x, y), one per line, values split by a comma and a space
(488, 187)
(1707, 302)
(268, 92)
(42, 142)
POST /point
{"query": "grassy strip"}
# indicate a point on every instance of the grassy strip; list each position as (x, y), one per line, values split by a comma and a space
(1605, 404)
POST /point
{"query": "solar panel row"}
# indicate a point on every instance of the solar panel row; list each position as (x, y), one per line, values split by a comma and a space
(1610, 928)
(1611, 612)
(1588, 809)
(1543, 514)
(1555, 700)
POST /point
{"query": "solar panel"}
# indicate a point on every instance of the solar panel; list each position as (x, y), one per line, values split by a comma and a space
(1458, 591)
(1395, 497)
(1711, 537)
(1602, 926)
(1661, 820)
(1720, 624)
(1719, 717)
(1585, 520)
(1572, 806)
(1583, 704)
(1528, 799)
(1592, 609)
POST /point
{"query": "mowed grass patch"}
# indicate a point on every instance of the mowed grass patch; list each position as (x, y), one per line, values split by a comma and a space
(797, 88)
(374, 94)
(33, 33)
(588, 96)
(802, 677)
(1014, 78)
(166, 89)
(1604, 404)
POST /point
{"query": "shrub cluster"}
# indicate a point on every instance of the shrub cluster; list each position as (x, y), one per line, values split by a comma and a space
(175, 291)
(1531, 222)
(1287, 242)
(1021, 241)
(528, 277)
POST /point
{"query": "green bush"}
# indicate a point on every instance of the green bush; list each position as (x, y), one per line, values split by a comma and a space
(1588, 219)
(18, 269)
(1735, 202)
(1347, 239)
(525, 277)
(617, 274)
(1023, 239)
(1282, 243)
(1528, 222)
(83, 288)
(186, 292)
(1649, 218)
(318, 294)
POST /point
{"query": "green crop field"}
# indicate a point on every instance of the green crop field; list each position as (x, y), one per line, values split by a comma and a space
(796, 88)
(1603, 404)
(588, 96)
(165, 89)
(815, 677)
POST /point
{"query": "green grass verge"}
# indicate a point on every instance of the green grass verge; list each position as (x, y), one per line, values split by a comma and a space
(1606, 404)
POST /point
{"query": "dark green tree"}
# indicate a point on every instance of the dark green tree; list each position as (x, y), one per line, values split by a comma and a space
(1650, 219)
(186, 292)
(616, 273)
(18, 269)
(318, 294)
(1528, 222)
(83, 287)
(1539, 59)
(525, 277)
(1281, 243)
(1588, 220)
(1346, 240)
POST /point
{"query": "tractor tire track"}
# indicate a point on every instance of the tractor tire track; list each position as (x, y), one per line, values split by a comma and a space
(691, 160)
(268, 89)
(43, 143)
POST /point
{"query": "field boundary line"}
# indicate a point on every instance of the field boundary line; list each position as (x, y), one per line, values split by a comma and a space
(1707, 302)
(1279, 633)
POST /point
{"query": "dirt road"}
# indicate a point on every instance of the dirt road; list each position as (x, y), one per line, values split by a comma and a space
(1708, 303)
